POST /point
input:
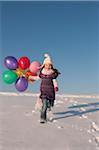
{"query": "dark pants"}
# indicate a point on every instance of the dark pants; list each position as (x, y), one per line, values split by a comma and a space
(44, 109)
(46, 104)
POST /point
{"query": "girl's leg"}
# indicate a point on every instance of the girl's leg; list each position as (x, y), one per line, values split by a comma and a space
(52, 103)
(44, 111)
(48, 105)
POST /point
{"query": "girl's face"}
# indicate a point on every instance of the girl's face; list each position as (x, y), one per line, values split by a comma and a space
(48, 66)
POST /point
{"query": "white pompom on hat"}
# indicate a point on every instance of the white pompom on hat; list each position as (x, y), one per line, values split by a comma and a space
(47, 60)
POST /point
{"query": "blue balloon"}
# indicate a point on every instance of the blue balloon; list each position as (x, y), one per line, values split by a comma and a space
(21, 84)
(11, 62)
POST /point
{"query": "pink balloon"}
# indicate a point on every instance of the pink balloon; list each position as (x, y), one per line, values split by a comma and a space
(35, 66)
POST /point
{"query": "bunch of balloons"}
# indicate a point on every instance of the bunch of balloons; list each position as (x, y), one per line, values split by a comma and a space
(19, 71)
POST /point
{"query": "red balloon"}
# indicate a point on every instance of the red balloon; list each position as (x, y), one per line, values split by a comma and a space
(24, 62)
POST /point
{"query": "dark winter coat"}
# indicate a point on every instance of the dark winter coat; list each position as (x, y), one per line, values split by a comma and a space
(47, 87)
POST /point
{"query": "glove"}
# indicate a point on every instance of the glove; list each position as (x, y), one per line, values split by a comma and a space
(56, 89)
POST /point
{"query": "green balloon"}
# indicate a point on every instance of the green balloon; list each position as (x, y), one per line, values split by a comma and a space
(9, 76)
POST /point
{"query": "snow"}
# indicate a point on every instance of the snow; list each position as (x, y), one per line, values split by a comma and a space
(73, 124)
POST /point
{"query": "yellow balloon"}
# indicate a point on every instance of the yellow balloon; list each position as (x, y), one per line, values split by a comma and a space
(20, 72)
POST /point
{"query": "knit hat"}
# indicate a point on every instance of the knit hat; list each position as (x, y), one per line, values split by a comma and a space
(47, 59)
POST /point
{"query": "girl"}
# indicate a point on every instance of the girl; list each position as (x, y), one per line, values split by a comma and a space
(48, 86)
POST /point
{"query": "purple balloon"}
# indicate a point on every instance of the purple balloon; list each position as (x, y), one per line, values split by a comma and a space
(21, 84)
(11, 62)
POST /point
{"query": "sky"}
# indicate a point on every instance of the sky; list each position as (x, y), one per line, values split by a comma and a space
(68, 31)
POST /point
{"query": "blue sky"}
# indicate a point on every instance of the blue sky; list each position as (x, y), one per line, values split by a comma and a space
(68, 31)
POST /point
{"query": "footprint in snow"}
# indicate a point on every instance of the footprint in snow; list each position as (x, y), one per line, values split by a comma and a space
(94, 126)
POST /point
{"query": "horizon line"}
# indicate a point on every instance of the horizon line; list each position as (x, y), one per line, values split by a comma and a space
(59, 95)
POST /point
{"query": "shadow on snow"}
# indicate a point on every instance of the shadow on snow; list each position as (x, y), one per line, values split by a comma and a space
(77, 112)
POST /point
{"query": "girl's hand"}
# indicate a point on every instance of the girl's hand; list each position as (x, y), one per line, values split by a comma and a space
(34, 78)
(56, 89)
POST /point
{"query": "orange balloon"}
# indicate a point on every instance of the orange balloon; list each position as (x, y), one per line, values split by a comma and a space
(29, 73)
